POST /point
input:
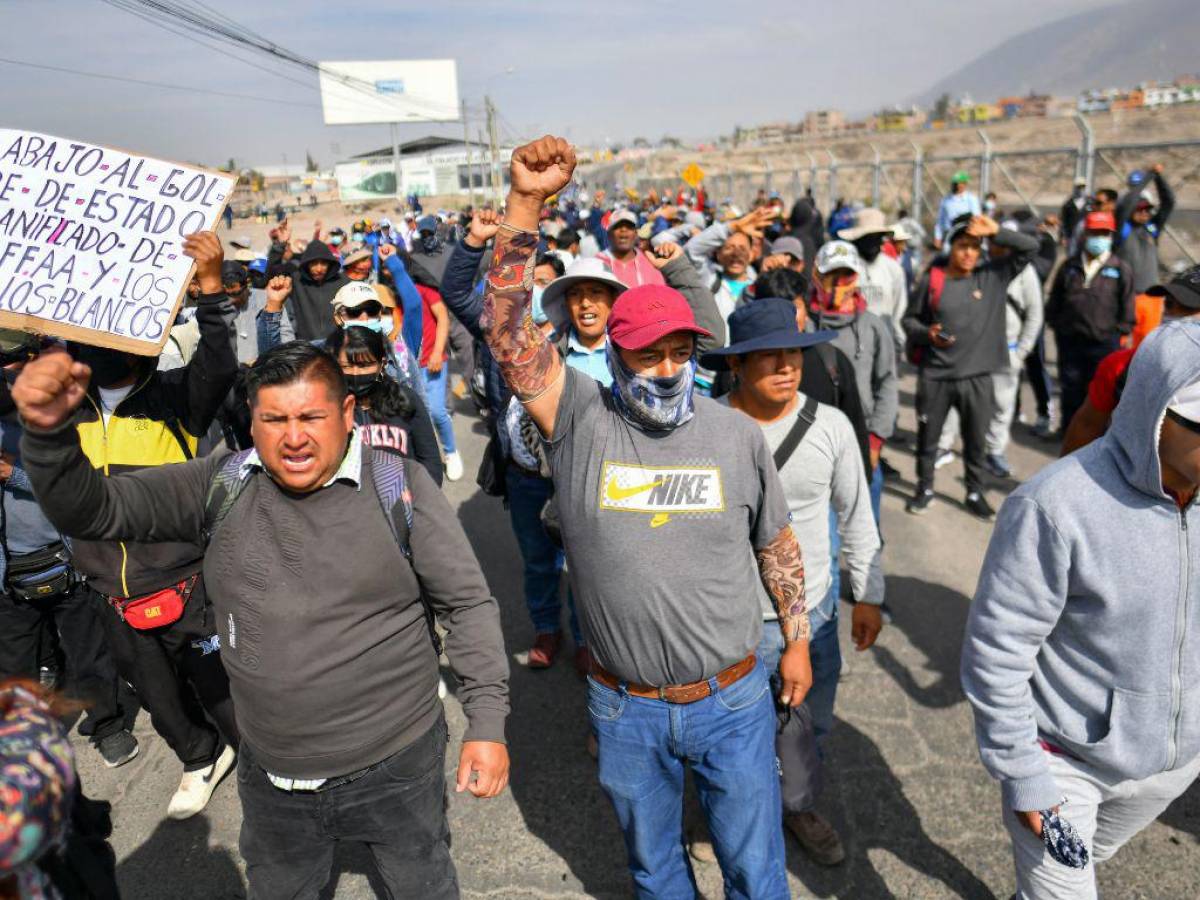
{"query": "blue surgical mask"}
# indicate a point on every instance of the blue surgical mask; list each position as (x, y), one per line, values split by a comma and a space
(1097, 244)
(539, 314)
(335, 240)
(378, 325)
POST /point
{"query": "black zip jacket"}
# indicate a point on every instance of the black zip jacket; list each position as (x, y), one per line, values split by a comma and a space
(1100, 311)
(160, 422)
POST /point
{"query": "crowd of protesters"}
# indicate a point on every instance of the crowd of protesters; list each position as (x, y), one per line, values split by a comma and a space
(688, 407)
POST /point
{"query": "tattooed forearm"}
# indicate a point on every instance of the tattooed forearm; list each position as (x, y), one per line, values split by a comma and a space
(782, 570)
(527, 360)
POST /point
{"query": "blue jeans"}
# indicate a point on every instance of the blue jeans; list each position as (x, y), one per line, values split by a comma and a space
(728, 741)
(876, 487)
(543, 560)
(825, 656)
(435, 399)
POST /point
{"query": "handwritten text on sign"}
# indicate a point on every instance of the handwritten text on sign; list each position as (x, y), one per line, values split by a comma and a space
(91, 238)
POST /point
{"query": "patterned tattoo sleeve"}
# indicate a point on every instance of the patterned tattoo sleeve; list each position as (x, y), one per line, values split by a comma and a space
(526, 358)
(782, 569)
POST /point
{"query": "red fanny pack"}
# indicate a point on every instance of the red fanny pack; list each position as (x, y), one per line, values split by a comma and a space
(155, 610)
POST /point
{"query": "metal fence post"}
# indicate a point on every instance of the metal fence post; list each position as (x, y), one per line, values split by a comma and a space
(833, 177)
(918, 181)
(812, 174)
(985, 163)
(1087, 151)
(875, 176)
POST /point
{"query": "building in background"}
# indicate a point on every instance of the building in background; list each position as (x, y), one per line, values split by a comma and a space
(429, 166)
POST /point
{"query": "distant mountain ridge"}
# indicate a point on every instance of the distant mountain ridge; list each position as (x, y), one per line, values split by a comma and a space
(1111, 46)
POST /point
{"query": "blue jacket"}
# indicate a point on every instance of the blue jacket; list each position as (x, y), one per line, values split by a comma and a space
(1085, 628)
(465, 300)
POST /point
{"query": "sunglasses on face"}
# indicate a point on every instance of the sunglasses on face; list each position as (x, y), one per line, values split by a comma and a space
(1193, 427)
(369, 310)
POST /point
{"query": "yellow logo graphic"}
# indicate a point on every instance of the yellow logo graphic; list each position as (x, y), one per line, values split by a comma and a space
(153, 612)
(661, 491)
(617, 494)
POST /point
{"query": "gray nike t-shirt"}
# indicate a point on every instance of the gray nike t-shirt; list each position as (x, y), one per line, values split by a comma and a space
(660, 530)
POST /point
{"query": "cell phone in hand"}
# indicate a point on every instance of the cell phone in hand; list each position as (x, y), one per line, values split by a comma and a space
(947, 337)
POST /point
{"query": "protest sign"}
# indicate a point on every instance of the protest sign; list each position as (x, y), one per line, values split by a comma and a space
(91, 239)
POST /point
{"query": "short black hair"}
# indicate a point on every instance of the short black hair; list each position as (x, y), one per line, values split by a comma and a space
(292, 362)
(785, 283)
(567, 237)
(1107, 194)
(553, 260)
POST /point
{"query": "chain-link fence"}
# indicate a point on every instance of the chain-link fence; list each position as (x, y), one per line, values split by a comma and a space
(1040, 179)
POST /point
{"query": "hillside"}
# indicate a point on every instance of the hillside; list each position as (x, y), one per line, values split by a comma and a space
(1111, 46)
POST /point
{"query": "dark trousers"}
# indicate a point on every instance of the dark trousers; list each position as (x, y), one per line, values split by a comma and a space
(1039, 378)
(31, 633)
(396, 807)
(462, 345)
(973, 398)
(1077, 362)
(178, 675)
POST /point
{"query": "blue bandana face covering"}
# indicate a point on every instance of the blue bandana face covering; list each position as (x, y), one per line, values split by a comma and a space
(655, 404)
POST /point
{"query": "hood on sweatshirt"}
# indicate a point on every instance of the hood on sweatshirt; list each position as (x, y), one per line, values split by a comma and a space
(319, 250)
(1166, 362)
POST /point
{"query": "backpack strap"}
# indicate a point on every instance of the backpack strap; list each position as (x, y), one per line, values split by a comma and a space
(389, 476)
(804, 421)
(227, 485)
(390, 480)
(828, 357)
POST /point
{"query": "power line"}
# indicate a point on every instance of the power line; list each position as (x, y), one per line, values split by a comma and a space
(158, 84)
(201, 19)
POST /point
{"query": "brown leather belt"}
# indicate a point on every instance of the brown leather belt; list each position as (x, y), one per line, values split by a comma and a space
(676, 693)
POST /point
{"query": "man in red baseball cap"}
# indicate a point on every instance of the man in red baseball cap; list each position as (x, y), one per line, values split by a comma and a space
(1090, 309)
(674, 522)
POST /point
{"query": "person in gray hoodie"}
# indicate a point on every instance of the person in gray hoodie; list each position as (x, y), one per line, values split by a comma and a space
(1082, 650)
(836, 302)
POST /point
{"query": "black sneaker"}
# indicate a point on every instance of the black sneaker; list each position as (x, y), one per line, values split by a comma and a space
(890, 472)
(919, 502)
(117, 748)
(979, 507)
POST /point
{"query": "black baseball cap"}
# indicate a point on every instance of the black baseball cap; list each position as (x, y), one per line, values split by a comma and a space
(1184, 288)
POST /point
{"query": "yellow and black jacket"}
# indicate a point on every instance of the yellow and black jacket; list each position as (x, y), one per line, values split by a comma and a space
(160, 422)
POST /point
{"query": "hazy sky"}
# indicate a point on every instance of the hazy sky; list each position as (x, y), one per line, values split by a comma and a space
(609, 70)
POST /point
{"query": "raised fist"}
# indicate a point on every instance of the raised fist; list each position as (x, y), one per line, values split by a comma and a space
(278, 289)
(542, 168)
(484, 225)
(49, 388)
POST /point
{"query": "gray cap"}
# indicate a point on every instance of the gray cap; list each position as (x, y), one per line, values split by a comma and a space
(623, 215)
(789, 245)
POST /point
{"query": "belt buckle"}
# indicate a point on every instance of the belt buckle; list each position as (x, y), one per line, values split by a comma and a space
(662, 693)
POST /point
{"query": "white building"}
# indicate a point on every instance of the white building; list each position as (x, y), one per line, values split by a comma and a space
(428, 166)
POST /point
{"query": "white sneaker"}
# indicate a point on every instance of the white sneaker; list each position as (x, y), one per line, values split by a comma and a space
(454, 466)
(944, 458)
(198, 785)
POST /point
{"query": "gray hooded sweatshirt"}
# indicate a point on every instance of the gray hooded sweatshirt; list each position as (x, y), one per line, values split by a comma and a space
(1085, 628)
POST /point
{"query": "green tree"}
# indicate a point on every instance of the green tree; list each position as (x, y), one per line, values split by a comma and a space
(941, 107)
(310, 164)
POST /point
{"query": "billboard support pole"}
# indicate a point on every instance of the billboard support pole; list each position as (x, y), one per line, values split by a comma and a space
(493, 151)
(467, 147)
(396, 161)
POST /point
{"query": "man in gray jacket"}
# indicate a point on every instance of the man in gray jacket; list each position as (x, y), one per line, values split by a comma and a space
(836, 302)
(326, 642)
(1082, 649)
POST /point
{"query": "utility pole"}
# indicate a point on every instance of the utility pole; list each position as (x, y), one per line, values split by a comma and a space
(482, 180)
(396, 161)
(467, 147)
(493, 150)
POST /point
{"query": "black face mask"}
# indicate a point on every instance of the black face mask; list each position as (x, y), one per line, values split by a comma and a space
(870, 247)
(108, 366)
(361, 385)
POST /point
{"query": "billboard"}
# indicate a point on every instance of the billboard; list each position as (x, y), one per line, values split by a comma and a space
(371, 92)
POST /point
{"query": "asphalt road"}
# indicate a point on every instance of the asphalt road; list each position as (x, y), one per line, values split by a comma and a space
(919, 816)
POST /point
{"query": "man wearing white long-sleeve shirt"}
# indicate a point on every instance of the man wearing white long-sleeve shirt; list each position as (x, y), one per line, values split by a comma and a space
(819, 465)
